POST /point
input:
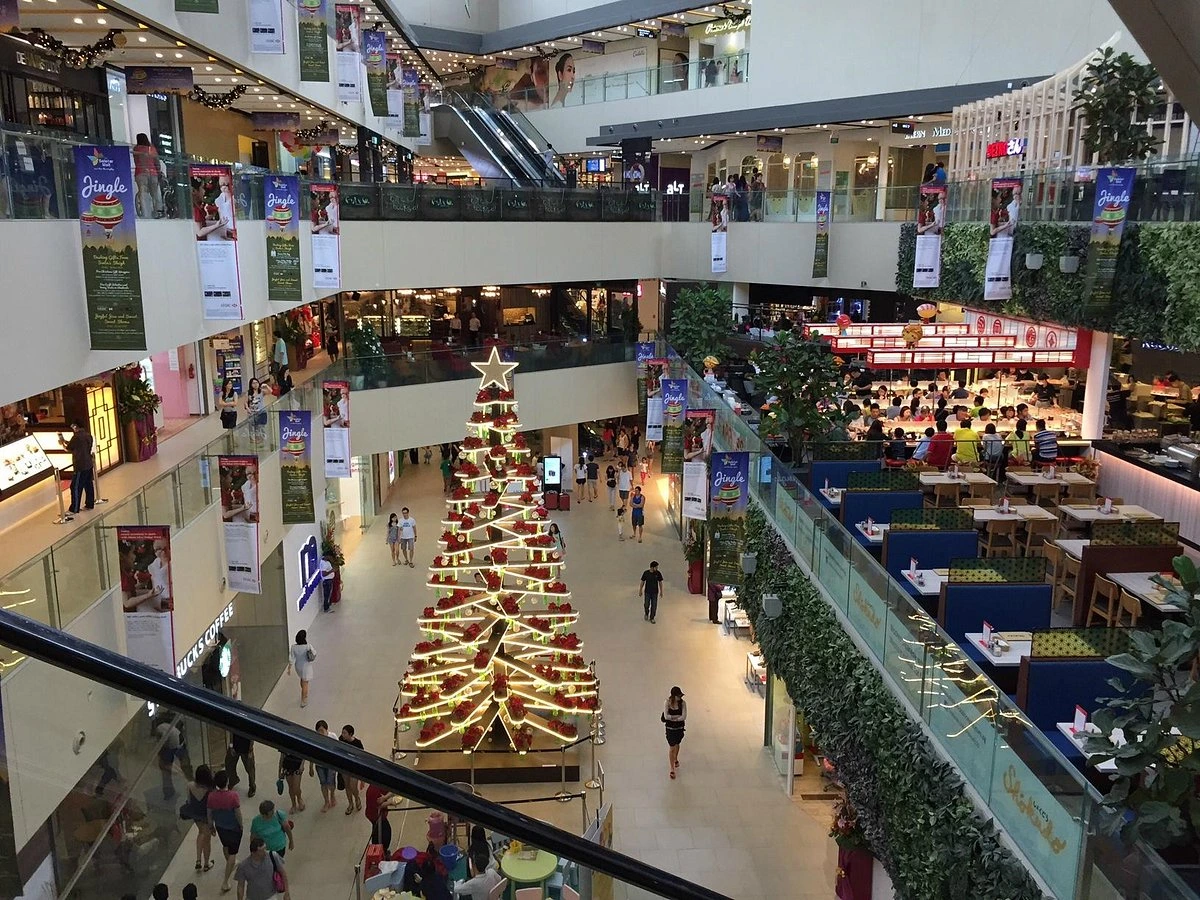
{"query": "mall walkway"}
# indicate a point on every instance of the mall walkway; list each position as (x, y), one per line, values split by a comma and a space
(725, 822)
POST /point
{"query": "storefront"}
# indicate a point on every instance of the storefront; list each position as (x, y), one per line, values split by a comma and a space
(719, 52)
(38, 91)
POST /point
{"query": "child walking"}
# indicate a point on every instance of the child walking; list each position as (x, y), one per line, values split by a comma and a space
(620, 523)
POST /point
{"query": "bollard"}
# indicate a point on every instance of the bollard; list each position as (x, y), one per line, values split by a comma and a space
(563, 795)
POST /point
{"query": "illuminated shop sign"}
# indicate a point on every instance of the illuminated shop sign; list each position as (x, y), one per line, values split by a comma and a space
(209, 638)
(916, 134)
(1011, 147)
(718, 27)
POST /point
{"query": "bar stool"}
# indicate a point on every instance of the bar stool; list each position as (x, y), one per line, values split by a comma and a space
(1105, 604)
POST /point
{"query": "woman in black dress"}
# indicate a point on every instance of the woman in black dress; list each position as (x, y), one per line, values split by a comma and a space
(674, 716)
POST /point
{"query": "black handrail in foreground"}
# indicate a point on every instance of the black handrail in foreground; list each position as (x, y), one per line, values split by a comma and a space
(121, 673)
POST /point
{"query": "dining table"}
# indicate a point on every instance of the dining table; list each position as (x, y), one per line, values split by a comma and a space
(1029, 479)
(1072, 546)
(930, 479)
(1010, 657)
(523, 872)
(832, 495)
(1150, 593)
(928, 582)
(1092, 512)
(1024, 512)
(876, 532)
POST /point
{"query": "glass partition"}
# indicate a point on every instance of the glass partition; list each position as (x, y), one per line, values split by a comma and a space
(1045, 805)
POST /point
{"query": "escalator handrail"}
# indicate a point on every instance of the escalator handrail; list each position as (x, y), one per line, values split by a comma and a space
(513, 120)
(520, 151)
(512, 155)
(99, 664)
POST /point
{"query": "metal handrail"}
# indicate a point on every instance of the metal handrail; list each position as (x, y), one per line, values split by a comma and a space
(123, 674)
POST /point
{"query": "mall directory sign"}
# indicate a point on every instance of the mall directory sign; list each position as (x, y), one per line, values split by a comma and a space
(107, 223)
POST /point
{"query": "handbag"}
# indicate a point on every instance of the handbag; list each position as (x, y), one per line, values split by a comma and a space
(279, 786)
(277, 881)
(310, 654)
(228, 418)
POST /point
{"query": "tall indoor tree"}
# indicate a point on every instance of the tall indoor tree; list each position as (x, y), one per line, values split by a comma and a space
(701, 322)
(1114, 92)
(801, 378)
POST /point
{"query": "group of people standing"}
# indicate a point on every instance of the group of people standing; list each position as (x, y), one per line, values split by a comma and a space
(745, 198)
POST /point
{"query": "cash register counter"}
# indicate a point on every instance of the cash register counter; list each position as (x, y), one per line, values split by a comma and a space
(1130, 471)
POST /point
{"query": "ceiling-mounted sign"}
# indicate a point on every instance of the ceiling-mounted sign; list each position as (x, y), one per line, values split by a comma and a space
(647, 33)
(592, 46)
(915, 134)
(718, 27)
(1002, 149)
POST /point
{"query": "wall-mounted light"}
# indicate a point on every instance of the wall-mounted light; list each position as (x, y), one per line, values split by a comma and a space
(1034, 261)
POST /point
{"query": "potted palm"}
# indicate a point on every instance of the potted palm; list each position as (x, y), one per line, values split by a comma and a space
(136, 405)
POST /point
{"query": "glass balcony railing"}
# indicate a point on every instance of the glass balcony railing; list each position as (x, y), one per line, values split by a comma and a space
(1045, 805)
(121, 830)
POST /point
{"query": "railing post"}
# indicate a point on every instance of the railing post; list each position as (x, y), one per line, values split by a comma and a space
(563, 795)
(358, 882)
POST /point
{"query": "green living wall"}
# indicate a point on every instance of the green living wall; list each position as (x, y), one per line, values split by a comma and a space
(910, 803)
(1156, 292)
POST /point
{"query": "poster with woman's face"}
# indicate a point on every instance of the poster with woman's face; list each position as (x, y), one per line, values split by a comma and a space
(239, 488)
(144, 554)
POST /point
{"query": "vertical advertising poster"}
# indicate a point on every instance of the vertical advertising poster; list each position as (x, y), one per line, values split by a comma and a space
(10, 15)
(311, 16)
(931, 219)
(215, 222)
(335, 421)
(197, 6)
(821, 250)
(1114, 187)
(728, 497)
(1006, 208)
(347, 36)
(395, 85)
(239, 511)
(375, 60)
(144, 553)
(698, 428)
(655, 369)
(283, 237)
(720, 233)
(111, 275)
(295, 466)
(645, 350)
(326, 235)
(411, 87)
(266, 26)
(674, 405)
(695, 489)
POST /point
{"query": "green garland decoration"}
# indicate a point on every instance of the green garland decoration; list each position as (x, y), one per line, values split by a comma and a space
(217, 101)
(909, 802)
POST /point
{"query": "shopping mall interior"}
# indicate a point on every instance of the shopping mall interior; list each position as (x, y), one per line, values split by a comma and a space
(586, 454)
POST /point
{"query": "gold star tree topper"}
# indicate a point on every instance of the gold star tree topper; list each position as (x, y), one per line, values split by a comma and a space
(495, 371)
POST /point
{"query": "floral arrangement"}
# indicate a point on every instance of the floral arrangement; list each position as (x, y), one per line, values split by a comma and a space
(1088, 467)
(845, 830)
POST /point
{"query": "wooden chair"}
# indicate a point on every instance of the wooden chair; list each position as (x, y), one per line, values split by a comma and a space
(943, 495)
(1105, 603)
(1081, 493)
(999, 538)
(1068, 578)
(1130, 606)
(1069, 527)
(1046, 494)
(1038, 535)
(1054, 564)
(1117, 501)
(975, 502)
(569, 893)
(1019, 469)
(1018, 501)
(980, 489)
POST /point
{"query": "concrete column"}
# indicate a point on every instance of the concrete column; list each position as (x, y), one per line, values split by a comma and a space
(741, 300)
(881, 188)
(1096, 389)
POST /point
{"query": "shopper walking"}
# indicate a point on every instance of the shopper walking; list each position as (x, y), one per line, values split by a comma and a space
(620, 523)
(227, 404)
(637, 513)
(624, 482)
(83, 485)
(256, 873)
(326, 777)
(274, 827)
(291, 770)
(350, 784)
(593, 478)
(195, 809)
(256, 411)
(241, 748)
(408, 536)
(328, 574)
(447, 468)
(610, 480)
(393, 538)
(146, 174)
(607, 436)
(581, 479)
(473, 326)
(225, 819)
(651, 585)
(674, 716)
(302, 658)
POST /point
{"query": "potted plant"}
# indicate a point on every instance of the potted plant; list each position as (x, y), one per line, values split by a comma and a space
(368, 364)
(701, 322)
(329, 546)
(1113, 90)
(136, 405)
(693, 552)
(855, 862)
(296, 339)
(1158, 713)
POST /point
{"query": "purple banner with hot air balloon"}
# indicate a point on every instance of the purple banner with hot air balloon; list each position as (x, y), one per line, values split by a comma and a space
(375, 59)
(728, 497)
(111, 276)
(295, 466)
(1114, 187)
(283, 237)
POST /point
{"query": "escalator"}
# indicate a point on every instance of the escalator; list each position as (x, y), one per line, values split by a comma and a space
(474, 137)
(522, 134)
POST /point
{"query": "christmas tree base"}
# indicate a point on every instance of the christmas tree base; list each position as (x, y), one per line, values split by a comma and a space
(540, 765)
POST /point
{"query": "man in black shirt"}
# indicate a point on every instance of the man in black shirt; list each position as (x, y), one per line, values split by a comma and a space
(593, 478)
(1044, 391)
(240, 748)
(651, 585)
(80, 447)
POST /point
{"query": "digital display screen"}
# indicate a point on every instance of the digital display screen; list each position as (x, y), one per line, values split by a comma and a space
(596, 164)
(552, 471)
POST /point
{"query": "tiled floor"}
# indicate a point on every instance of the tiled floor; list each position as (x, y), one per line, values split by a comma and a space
(725, 822)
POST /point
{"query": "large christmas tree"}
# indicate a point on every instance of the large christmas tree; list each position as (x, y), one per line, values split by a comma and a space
(497, 642)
